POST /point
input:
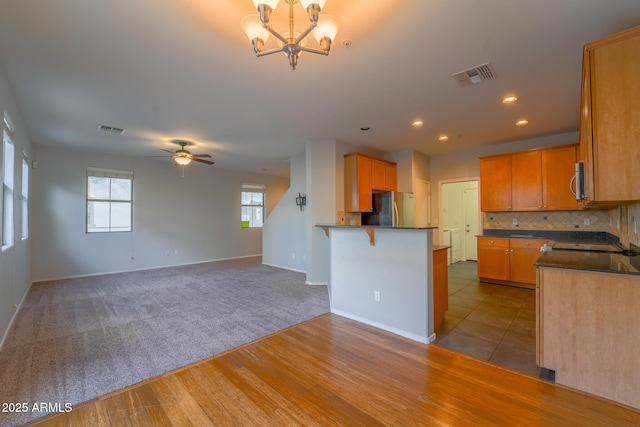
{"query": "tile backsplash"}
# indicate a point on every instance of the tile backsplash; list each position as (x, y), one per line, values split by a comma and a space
(547, 220)
(622, 221)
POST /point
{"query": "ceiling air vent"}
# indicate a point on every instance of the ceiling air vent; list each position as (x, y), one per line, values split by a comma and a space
(111, 129)
(474, 75)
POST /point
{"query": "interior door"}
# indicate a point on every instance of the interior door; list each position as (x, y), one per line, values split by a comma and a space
(471, 221)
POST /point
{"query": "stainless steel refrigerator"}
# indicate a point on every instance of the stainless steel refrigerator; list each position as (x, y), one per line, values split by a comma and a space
(391, 208)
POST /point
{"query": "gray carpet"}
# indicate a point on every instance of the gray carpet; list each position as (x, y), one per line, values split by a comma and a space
(77, 339)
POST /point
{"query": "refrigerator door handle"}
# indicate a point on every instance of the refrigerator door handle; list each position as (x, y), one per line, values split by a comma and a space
(396, 217)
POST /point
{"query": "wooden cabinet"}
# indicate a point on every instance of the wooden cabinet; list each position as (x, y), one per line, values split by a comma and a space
(508, 261)
(495, 183)
(357, 183)
(383, 175)
(526, 181)
(522, 254)
(493, 258)
(362, 176)
(588, 328)
(440, 286)
(558, 168)
(610, 119)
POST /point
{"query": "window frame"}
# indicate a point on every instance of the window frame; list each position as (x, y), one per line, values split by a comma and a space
(253, 189)
(111, 174)
(25, 197)
(7, 239)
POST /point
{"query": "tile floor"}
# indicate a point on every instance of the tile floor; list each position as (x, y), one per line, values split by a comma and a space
(490, 322)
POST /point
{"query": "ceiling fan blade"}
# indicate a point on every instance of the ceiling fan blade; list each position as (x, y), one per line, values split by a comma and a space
(150, 157)
(168, 151)
(202, 161)
(201, 155)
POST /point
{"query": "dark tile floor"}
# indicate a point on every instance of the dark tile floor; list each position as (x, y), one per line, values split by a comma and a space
(491, 322)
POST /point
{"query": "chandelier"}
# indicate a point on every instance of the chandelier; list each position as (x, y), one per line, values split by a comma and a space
(258, 29)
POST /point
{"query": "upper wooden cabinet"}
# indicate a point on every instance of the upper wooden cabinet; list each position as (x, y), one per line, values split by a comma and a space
(558, 168)
(610, 119)
(495, 182)
(383, 175)
(362, 176)
(526, 181)
(531, 180)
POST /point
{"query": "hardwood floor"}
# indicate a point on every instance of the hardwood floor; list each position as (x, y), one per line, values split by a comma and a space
(334, 371)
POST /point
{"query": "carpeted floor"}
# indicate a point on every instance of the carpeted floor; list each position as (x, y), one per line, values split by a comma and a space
(77, 339)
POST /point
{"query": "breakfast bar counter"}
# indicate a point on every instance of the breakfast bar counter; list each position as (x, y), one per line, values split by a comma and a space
(383, 276)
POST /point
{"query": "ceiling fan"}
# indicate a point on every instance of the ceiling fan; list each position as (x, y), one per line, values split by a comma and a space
(182, 156)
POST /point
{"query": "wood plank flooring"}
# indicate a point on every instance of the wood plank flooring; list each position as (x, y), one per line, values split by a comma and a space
(334, 371)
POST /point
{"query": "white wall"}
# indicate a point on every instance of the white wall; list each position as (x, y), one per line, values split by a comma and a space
(176, 220)
(321, 206)
(14, 261)
(463, 165)
(398, 266)
(284, 235)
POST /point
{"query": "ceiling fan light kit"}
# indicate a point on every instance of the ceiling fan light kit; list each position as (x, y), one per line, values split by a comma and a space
(183, 157)
(258, 29)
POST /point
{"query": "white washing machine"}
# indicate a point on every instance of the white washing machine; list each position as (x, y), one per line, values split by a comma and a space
(446, 241)
(455, 243)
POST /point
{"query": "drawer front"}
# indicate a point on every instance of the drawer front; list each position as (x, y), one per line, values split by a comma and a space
(493, 241)
(527, 243)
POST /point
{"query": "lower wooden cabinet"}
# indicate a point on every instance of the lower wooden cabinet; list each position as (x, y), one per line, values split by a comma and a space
(493, 258)
(440, 286)
(508, 261)
(588, 328)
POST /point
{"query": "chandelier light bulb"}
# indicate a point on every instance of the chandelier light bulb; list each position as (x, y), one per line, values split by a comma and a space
(327, 27)
(306, 3)
(271, 3)
(253, 28)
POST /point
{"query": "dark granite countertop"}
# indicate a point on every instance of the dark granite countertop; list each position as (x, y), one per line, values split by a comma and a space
(583, 237)
(382, 227)
(591, 261)
(606, 262)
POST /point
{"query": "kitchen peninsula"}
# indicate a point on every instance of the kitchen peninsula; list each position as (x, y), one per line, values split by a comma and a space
(383, 276)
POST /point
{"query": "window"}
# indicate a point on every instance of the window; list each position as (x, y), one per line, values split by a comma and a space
(7, 182)
(109, 200)
(252, 205)
(25, 197)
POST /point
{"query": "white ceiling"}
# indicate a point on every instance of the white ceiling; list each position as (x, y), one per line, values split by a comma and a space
(183, 69)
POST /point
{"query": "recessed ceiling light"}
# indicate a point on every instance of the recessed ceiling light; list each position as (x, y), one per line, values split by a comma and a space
(443, 138)
(522, 122)
(509, 99)
(417, 123)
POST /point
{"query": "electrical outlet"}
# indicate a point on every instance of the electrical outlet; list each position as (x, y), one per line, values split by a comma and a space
(376, 296)
(176, 252)
(587, 221)
(293, 256)
(304, 257)
(515, 221)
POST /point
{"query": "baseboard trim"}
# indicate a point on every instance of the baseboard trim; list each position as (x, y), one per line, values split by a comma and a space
(387, 328)
(15, 315)
(144, 269)
(284, 268)
(316, 283)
